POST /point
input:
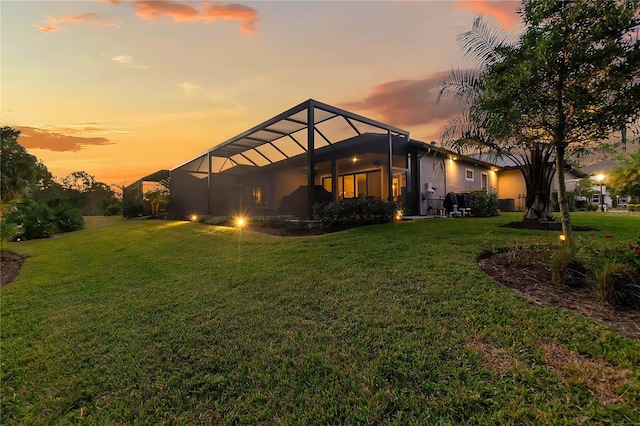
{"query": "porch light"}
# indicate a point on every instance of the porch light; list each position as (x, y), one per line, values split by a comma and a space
(354, 159)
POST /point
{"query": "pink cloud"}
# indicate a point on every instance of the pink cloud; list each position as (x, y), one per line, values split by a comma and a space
(182, 12)
(503, 11)
(51, 23)
(408, 102)
(55, 141)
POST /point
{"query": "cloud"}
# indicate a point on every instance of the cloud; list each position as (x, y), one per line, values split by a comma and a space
(51, 23)
(408, 102)
(127, 61)
(503, 11)
(56, 141)
(183, 12)
(189, 87)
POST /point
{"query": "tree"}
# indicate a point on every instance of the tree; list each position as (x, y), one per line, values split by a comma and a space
(626, 178)
(21, 172)
(466, 133)
(158, 199)
(571, 81)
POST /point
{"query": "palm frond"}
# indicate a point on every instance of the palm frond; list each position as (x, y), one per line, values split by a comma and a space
(464, 85)
(483, 41)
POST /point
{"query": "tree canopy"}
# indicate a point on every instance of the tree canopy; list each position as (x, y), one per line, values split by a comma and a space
(21, 172)
(570, 82)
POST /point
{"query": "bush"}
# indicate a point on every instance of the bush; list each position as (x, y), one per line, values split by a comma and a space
(633, 207)
(65, 216)
(216, 220)
(354, 212)
(31, 219)
(571, 198)
(7, 230)
(113, 209)
(483, 203)
(132, 208)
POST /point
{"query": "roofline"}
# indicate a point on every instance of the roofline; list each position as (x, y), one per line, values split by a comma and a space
(309, 103)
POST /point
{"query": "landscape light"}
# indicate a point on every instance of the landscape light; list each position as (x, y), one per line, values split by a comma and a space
(194, 218)
(240, 222)
(562, 238)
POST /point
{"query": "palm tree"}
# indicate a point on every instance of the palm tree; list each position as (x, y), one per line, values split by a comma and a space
(465, 133)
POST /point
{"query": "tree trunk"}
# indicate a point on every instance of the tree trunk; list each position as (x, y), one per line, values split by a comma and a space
(563, 201)
(538, 176)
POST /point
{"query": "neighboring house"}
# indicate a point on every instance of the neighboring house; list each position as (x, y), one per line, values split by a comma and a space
(600, 170)
(264, 171)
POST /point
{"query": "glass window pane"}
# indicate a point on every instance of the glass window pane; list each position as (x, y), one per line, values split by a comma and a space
(349, 186)
(361, 184)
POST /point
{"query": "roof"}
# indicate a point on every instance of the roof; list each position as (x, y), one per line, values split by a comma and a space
(286, 135)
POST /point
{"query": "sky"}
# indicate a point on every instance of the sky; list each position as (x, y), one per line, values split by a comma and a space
(121, 88)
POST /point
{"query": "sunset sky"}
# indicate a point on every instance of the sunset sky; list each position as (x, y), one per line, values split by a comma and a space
(121, 89)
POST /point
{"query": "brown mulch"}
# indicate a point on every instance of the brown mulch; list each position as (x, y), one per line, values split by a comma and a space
(10, 264)
(544, 226)
(527, 272)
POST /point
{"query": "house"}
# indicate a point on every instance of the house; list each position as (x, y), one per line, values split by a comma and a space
(316, 152)
(264, 171)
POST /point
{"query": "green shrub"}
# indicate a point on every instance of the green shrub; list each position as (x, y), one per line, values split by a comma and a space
(132, 208)
(354, 212)
(31, 219)
(7, 229)
(483, 203)
(64, 216)
(113, 209)
(633, 207)
(571, 198)
(216, 220)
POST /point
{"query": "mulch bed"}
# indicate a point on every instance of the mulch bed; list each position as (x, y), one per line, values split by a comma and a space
(10, 264)
(527, 272)
(544, 226)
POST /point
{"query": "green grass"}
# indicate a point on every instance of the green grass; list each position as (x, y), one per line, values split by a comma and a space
(177, 322)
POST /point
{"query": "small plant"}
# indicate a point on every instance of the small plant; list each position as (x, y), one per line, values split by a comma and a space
(618, 283)
(566, 268)
(132, 208)
(616, 271)
(64, 216)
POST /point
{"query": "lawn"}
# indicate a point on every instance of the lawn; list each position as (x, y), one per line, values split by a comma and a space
(177, 322)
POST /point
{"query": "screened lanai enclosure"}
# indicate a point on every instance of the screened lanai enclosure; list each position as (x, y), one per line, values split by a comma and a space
(312, 153)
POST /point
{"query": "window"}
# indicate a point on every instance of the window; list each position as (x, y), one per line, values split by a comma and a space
(484, 181)
(352, 186)
(259, 195)
(468, 174)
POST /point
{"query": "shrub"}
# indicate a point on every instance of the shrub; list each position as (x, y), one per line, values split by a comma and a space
(354, 212)
(7, 229)
(483, 203)
(571, 198)
(216, 220)
(113, 209)
(132, 208)
(633, 207)
(65, 216)
(31, 219)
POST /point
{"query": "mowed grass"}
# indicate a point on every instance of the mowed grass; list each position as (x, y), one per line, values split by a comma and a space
(176, 322)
